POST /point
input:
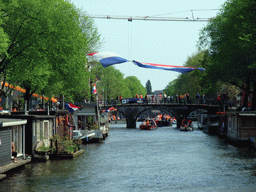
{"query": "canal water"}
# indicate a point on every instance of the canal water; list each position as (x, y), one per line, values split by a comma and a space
(164, 159)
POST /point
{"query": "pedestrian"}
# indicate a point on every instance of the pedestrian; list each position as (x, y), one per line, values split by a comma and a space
(184, 123)
(180, 99)
(160, 98)
(197, 97)
(219, 100)
(14, 153)
(187, 97)
(152, 96)
(177, 98)
(171, 99)
(141, 96)
(165, 97)
(146, 98)
(189, 123)
(121, 98)
(203, 99)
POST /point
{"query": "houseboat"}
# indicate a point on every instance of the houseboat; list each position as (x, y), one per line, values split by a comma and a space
(241, 126)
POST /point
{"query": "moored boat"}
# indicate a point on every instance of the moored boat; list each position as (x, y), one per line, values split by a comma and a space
(161, 123)
(149, 124)
(186, 128)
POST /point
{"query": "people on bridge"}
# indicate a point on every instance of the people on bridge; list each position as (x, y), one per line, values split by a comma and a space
(146, 98)
(188, 99)
(121, 98)
(160, 98)
(198, 98)
(165, 98)
(177, 98)
(203, 99)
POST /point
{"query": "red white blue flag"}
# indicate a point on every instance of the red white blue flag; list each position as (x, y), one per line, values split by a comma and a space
(94, 90)
(71, 107)
(107, 58)
(180, 69)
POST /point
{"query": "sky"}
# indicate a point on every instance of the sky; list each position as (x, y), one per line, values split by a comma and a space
(161, 42)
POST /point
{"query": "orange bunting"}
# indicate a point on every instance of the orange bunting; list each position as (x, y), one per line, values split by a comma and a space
(24, 90)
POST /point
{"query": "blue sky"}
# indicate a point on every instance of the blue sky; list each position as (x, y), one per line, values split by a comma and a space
(162, 42)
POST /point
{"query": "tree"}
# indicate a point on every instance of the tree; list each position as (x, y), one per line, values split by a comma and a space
(3, 36)
(111, 82)
(192, 82)
(135, 86)
(230, 40)
(49, 40)
(148, 87)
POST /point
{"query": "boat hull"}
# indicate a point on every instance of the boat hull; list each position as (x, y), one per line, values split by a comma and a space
(148, 127)
(186, 128)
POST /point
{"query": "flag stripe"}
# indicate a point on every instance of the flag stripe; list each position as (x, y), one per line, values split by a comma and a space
(107, 59)
(180, 69)
(71, 107)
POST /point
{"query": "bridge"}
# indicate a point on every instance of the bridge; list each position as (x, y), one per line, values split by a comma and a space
(132, 111)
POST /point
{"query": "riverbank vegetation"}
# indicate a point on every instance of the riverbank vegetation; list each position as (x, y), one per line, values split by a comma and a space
(227, 52)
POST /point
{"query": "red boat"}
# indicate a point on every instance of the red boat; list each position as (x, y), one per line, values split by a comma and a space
(149, 124)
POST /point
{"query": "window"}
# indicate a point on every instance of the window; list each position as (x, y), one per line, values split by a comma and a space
(46, 129)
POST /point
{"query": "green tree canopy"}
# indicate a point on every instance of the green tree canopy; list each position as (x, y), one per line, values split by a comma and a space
(230, 41)
(193, 82)
(148, 87)
(135, 86)
(48, 45)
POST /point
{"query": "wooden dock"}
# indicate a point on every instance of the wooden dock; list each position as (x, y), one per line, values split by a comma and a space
(12, 165)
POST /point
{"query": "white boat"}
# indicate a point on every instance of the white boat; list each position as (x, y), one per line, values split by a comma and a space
(77, 134)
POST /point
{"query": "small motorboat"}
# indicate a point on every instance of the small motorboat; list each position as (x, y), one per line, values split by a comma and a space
(162, 123)
(149, 124)
(187, 128)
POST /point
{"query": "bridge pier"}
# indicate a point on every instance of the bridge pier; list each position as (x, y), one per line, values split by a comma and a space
(131, 123)
(131, 116)
(179, 122)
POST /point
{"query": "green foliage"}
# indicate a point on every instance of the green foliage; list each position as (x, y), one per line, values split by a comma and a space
(113, 84)
(4, 39)
(43, 148)
(48, 45)
(230, 40)
(135, 86)
(64, 145)
(195, 81)
(149, 87)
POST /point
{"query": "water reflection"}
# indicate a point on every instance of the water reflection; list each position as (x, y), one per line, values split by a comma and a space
(165, 159)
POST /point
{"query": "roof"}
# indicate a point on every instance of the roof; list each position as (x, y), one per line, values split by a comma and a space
(12, 122)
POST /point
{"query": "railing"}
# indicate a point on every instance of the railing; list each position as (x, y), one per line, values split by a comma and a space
(143, 101)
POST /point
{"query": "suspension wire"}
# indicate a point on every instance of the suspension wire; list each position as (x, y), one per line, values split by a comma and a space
(183, 12)
(130, 39)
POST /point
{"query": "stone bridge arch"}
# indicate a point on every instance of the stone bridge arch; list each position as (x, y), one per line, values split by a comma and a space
(160, 109)
(131, 112)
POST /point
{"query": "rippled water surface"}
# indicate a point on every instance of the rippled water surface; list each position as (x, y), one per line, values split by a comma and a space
(165, 159)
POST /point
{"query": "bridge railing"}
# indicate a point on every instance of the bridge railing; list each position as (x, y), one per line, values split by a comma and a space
(162, 101)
